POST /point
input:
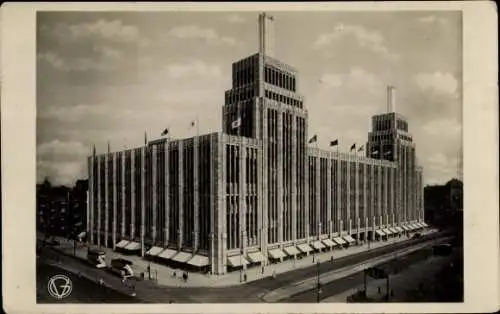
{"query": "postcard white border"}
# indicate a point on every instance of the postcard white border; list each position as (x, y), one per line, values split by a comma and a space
(480, 135)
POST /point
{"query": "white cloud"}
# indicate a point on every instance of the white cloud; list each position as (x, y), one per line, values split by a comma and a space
(438, 82)
(59, 149)
(235, 18)
(444, 127)
(78, 64)
(332, 80)
(369, 39)
(439, 168)
(196, 32)
(432, 19)
(194, 68)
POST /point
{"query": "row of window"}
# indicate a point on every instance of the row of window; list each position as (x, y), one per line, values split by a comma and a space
(283, 99)
(279, 78)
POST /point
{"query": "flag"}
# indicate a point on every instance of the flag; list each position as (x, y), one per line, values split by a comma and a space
(353, 147)
(334, 143)
(193, 123)
(109, 148)
(165, 132)
(236, 123)
(313, 139)
(360, 148)
(93, 150)
(145, 138)
(388, 152)
(375, 152)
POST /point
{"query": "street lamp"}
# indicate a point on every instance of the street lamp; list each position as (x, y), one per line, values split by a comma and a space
(318, 284)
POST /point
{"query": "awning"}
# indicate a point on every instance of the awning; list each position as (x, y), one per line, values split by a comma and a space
(82, 234)
(318, 245)
(417, 226)
(413, 227)
(155, 250)
(387, 231)
(133, 246)
(182, 257)
(167, 254)
(236, 261)
(425, 225)
(256, 257)
(349, 239)
(400, 229)
(304, 248)
(393, 230)
(380, 233)
(339, 241)
(421, 225)
(122, 244)
(405, 227)
(329, 243)
(276, 253)
(199, 261)
(291, 250)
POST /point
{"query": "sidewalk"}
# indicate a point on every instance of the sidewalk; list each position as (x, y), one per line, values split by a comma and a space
(165, 278)
(401, 284)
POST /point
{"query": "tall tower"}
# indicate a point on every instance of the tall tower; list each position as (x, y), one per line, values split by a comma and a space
(390, 139)
(263, 103)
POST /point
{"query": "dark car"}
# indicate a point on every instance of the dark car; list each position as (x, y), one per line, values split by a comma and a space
(416, 236)
(442, 249)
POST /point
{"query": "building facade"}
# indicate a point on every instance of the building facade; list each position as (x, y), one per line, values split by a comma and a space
(257, 191)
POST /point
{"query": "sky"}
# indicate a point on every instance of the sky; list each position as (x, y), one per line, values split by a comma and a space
(112, 76)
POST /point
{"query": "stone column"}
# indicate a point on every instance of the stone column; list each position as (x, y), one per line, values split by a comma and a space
(338, 199)
(115, 186)
(154, 207)
(106, 199)
(318, 193)
(99, 205)
(123, 187)
(280, 175)
(143, 198)
(242, 196)
(265, 180)
(91, 196)
(166, 223)
(133, 191)
(196, 207)
(294, 176)
(329, 205)
(181, 196)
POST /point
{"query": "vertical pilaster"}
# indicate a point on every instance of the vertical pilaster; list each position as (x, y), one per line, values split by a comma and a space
(339, 198)
(280, 175)
(133, 189)
(348, 198)
(356, 194)
(294, 178)
(265, 180)
(329, 204)
(365, 187)
(307, 182)
(123, 187)
(143, 197)
(243, 193)
(221, 217)
(90, 203)
(318, 193)
(115, 185)
(106, 198)
(99, 205)
(214, 199)
(196, 207)
(154, 162)
(180, 229)
(379, 190)
(166, 222)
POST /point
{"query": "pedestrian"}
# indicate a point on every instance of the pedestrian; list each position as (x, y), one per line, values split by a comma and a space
(101, 282)
(262, 270)
(245, 277)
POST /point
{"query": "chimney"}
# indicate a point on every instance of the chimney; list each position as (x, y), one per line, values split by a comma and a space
(391, 99)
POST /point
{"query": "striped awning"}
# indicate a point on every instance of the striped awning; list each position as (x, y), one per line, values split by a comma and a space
(122, 244)
(167, 254)
(304, 248)
(329, 243)
(425, 225)
(236, 261)
(405, 227)
(393, 230)
(256, 257)
(276, 253)
(339, 241)
(82, 234)
(349, 239)
(155, 250)
(400, 229)
(199, 261)
(132, 246)
(413, 227)
(387, 231)
(380, 233)
(291, 250)
(182, 257)
(318, 245)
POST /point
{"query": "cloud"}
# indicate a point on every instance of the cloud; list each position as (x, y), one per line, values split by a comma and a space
(432, 19)
(438, 82)
(235, 19)
(80, 64)
(194, 68)
(114, 31)
(445, 127)
(440, 168)
(369, 39)
(195, 32)
(332, 80)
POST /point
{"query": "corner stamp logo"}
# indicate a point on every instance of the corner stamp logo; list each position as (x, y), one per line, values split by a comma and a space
(60, 286)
